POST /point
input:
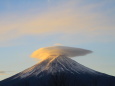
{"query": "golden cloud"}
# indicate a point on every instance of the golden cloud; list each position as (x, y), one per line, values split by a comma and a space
(67, 18)
(45, 52)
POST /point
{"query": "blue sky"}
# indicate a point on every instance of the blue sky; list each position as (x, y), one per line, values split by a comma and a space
(26, 26)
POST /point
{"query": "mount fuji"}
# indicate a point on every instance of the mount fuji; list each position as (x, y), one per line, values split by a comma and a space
(59, 71)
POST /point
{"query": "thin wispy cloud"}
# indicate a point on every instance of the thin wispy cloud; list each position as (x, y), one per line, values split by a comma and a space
(58, 44)
(3, 73)
(6, 72)
(68, 18)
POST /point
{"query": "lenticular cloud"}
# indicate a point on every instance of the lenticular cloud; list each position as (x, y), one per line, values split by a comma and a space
(45, 52)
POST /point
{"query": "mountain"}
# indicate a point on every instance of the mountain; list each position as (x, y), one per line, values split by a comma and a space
(59, 71)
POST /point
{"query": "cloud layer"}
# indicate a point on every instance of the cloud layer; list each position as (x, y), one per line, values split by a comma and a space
(67, 18)
(45, 52)
(6, 72)
(3, 73)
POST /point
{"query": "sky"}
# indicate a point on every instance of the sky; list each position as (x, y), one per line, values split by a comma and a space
(27, 25)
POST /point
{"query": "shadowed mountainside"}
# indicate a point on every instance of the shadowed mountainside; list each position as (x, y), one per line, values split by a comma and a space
(59, 71)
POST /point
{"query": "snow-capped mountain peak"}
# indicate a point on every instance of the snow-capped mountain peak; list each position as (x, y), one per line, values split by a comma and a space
(59, 70)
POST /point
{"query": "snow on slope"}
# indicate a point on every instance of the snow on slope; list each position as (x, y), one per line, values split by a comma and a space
(60, 63)
(59, 71)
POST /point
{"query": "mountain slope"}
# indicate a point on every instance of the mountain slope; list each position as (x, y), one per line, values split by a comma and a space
(59, 71)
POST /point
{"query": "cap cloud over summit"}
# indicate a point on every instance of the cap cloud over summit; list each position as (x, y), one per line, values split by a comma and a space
(43, 53)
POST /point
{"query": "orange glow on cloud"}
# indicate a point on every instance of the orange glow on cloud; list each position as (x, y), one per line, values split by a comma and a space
(59, 19)
(44, 53)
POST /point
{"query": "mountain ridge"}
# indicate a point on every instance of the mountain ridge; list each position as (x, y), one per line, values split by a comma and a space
(59, 71)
